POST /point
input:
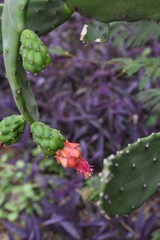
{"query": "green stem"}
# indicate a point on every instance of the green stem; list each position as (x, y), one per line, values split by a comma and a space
(13, 23)
(1, 10)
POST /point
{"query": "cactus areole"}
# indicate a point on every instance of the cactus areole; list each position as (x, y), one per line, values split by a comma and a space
(117, 10)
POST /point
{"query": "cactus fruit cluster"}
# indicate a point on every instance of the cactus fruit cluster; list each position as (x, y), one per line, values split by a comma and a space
(128, 178)
(34, 53)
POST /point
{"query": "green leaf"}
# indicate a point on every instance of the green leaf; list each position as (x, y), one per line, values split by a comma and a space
(151, 121)
(38, 209)
(10, 206)
(134, 34)
(156, 235)
(12, 216)
(60, 52)
(36, 151)
(150, 100)
(95, 31)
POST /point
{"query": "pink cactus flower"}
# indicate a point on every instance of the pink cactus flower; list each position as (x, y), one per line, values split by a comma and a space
(70, 157)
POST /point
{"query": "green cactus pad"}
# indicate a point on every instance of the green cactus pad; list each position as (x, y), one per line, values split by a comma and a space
(119, 10)
(12, 27)
(11, 128)
(133, 176)
(43, 16)
(49, 139)
(95, 31)
(1, 9)
(34, 53)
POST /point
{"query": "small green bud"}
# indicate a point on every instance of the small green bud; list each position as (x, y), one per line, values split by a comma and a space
(11, 128)
(49, 139)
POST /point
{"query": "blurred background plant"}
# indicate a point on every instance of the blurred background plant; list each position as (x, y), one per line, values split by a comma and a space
(103, 96)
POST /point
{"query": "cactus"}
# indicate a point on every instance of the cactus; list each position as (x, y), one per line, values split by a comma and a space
(49, 139)
(34, 53)
(95, 31)
(43, 16)
(1, 9)
(121, 10)
(19, 83)
(11, 128)
(129, 178)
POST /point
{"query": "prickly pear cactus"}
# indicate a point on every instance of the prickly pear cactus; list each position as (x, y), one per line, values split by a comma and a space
(130, 177)
(133, 176)
(49, 139)
(12, 28)
(95, 31)
(43, 16)
(121, 10)
(1, 47)
(34, 53)
(11, 128)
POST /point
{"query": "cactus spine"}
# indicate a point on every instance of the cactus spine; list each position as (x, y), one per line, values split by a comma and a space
(15, 73)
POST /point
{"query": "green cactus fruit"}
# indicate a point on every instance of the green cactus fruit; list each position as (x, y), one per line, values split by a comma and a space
(34, 53)
(49, 139)
(130, 177)
(11, 128)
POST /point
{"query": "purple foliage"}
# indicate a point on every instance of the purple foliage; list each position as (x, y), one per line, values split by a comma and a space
(84, 98)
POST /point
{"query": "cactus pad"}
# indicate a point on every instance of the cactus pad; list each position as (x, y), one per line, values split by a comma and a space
(119, 10)
(44, 16)
(11, 128)
(1, 9)
(95, 31)
(133, 176)
(49, 139)
(15, 73)
(34, 53)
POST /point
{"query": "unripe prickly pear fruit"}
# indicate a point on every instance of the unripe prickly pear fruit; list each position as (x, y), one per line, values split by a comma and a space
(34, 53)
(49, 139)
(11, 128)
